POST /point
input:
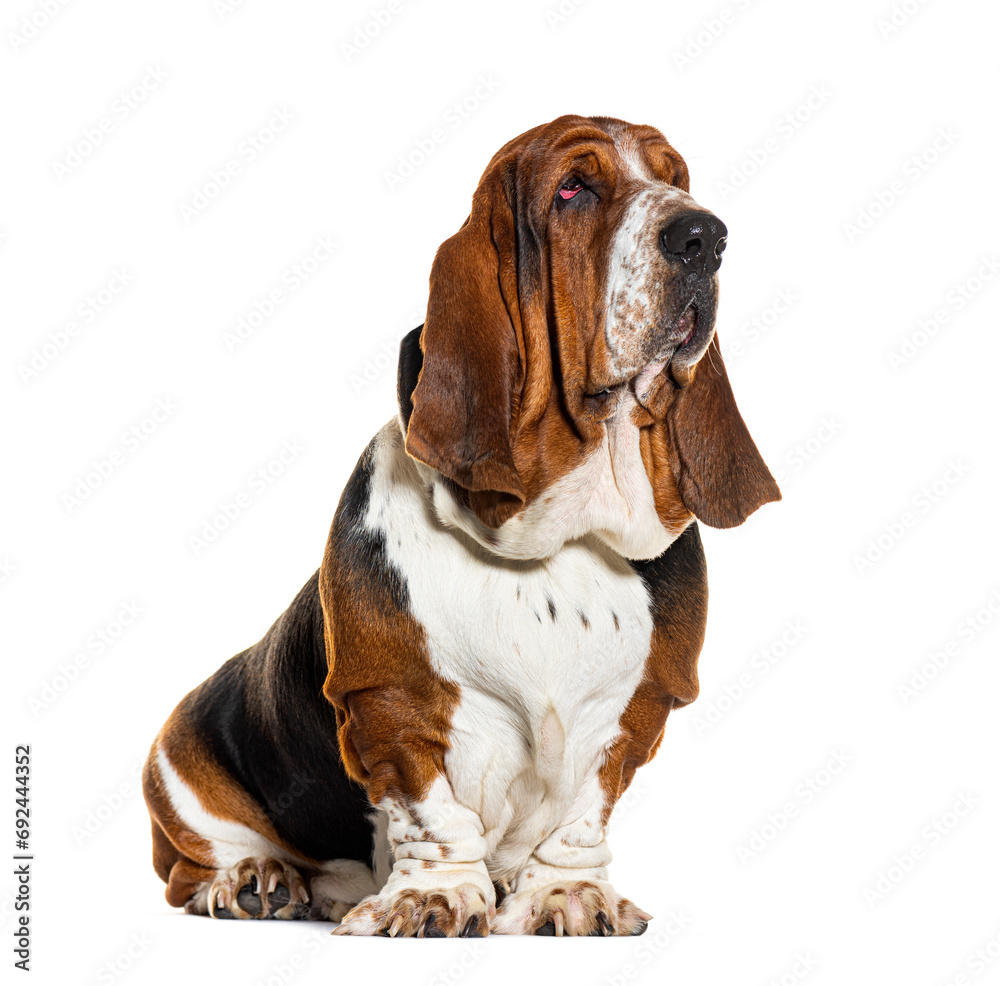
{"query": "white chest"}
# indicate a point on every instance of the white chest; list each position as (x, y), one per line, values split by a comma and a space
(608, 496)
(547, 654)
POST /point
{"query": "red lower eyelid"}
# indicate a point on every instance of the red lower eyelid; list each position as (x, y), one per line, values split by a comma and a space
(568, 193)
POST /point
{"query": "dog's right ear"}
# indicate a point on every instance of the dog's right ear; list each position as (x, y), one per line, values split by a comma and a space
(457, 386)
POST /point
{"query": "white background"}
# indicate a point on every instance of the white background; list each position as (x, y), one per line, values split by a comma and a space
(860, 442)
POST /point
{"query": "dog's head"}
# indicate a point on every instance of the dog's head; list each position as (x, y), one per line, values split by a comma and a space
(585, 272)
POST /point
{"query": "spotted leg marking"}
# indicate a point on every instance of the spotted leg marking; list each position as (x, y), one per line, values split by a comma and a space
(563, 889)
(439, 886)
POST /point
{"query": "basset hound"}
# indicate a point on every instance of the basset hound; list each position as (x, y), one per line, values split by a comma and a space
(431, 739)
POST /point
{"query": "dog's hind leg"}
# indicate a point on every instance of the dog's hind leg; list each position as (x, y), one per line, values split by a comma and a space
(213, 864)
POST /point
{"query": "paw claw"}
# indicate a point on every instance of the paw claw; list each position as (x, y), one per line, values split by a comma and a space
(429, 929)
(236, 891)
(471, 929)
(412, 913)
(569, 909)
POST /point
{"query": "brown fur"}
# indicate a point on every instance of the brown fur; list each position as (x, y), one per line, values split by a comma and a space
(513, 340)
(670, 678)
(720, 475)
(505, 404)
(182, 858)
(393, 711)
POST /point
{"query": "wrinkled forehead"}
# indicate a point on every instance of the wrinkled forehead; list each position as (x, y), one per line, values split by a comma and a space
(641, 153)
(618, 153)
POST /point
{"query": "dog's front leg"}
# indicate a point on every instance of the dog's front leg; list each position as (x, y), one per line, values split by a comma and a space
(563, 889)
(439, 885)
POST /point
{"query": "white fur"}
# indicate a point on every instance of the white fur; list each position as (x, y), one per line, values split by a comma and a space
(230, 841)
(608, 498)
(541, 696)
(437, 844)
(634, 269)
(344, 881)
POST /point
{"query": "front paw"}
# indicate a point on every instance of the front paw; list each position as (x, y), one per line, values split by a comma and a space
(458, 912)
(580, 908)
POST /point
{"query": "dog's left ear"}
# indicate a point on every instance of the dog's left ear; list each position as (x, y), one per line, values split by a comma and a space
(458, 415)
(720, 475)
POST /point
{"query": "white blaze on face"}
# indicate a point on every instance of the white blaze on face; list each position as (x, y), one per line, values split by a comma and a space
(636, 268)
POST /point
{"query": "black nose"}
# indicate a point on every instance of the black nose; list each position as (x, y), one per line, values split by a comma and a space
(697, 240)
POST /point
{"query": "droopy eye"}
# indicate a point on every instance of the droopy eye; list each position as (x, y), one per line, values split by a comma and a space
(570, 188)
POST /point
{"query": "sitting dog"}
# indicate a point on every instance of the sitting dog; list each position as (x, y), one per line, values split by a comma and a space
(430, 740)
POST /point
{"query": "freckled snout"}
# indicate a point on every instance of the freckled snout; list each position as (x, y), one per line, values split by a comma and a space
(697, 240)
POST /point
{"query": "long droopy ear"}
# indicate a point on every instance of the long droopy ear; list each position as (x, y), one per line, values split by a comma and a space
(720, 475)
(463, 402)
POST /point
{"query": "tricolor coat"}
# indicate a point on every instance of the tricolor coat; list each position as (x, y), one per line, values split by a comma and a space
(513, 595)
